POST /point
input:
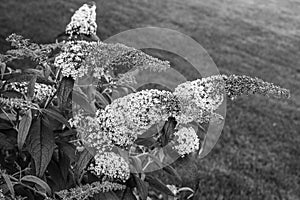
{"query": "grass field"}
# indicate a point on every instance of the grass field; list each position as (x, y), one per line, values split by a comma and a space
(258, 155)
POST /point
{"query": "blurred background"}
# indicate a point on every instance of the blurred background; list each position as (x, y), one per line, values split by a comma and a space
(258, 154)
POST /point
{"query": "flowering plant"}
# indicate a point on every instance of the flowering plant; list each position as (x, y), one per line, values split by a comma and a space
(63, 138)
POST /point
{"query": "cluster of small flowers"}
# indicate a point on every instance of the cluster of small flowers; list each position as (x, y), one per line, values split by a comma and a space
(117, 58)
(245, 85)
(79, 58)
(71, 58)
(88, 190)
(41, 91)
(16, 103)
(138, 58)
(25, 48)
(83, 21)
(90, 132)
(199, 98)
(186, 141)
(111, 165)
(129, 116)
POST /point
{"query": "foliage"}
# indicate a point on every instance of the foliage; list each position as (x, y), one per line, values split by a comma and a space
(49, 150)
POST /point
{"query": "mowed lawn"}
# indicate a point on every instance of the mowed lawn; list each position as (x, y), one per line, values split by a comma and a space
(258, 154)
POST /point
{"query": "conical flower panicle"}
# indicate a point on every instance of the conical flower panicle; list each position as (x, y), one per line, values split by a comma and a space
(245, 85)
(80, 58)
(83, 21)
(88, 190)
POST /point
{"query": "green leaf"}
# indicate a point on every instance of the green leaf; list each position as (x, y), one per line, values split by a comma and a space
(128, 195)
(83, 159)
(24, 127)
(170, 170)
(26, 77)
(142, 187)
(64, 91)
(37, 181)
(57, 116)
(136, 163)
(2, 68)
(106, 196)
(159, 185)
(6, 142)
(167, 130)
(40, 142)
(82, 100)
(5, 124)
(68, 149)
(30, 90)
(9, 184)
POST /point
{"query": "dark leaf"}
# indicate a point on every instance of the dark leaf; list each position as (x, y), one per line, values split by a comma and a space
(2, 68)
(64, 163)
(106, 196)
(64, 91)
(24, 127)
(68, 149)
(6, 142)
(128, 195)
(26, 77)
(170, 170)
(82, 100)
(167, 130)
(41, 144)
(30, 90)
(84, 158)
(37, 181)
(5, 124)
(57, 116)
(159, 185)
(147, 142)
(9, 184)
(142, 187)
(136, 163)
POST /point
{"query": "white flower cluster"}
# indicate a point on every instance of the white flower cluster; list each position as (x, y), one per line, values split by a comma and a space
(41, 91)
(200, 98)
(10, 103)
(111, 165)
(127, 117)
(186, 141)
(71, 58)
(83, 21)
(91, 133)
(98, 59)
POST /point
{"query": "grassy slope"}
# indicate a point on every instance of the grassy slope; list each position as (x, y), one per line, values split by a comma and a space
(257, 156)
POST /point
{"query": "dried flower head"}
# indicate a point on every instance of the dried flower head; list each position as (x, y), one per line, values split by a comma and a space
(83, 21)
(186, 141)
(245, 85)
(88, 190)
(111, 165)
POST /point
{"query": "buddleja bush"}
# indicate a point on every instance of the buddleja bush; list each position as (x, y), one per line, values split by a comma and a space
(63, 138)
